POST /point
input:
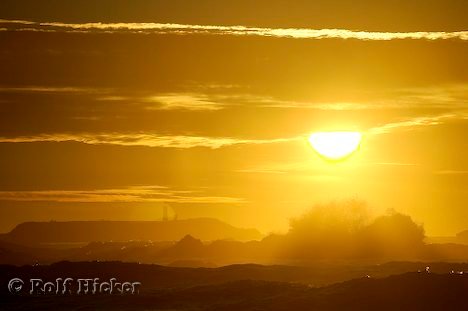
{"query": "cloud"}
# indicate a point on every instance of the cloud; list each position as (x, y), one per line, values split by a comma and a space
(182, 102)
(296, 33)
(164, 101)
(52, 89)
(414, 123)
(270, 102)
(170, 101)
(128, 195)
(13, 21)
(144, 139)
(443, 97)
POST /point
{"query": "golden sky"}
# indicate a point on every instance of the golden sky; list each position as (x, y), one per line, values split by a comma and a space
(110, 109)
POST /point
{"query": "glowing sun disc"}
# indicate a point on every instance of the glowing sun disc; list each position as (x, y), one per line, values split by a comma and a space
(335, 145)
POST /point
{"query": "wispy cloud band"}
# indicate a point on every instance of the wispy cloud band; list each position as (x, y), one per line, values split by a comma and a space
(415, 122)
(296, 33)
(144, 139)
(126, 195)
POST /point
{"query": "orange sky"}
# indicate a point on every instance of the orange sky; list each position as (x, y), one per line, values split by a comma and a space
(208, 106)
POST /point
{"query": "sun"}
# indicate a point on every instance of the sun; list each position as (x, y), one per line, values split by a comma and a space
(335, 145)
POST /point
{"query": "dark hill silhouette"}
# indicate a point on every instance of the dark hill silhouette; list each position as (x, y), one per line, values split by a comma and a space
(245, 287)
(462, 237)
(16, 254)
(163, 277)
(37, 233)
(192, 252)
(11, 253)
(187, 247)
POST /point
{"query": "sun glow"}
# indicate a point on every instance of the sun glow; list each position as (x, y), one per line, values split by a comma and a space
(335, 145)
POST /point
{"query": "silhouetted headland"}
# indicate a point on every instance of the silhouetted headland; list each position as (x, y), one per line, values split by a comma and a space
(55, 232)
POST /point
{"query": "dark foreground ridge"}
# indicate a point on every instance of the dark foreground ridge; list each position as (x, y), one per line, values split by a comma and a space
(243, 287)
